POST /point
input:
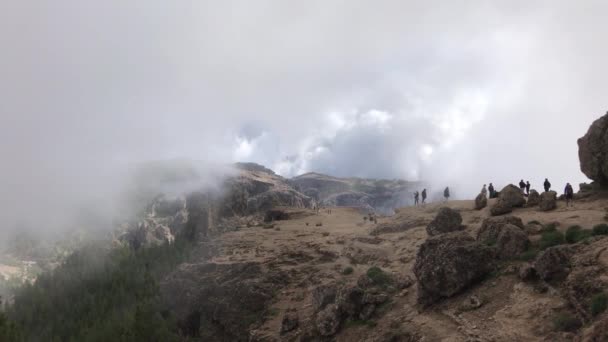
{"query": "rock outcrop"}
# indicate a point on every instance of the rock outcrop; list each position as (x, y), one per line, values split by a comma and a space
(533, 199)
(500, 208)
(510, 197)
(447, 220)
(448, 263)
(593, 151)
(511, 242)
(481, 201)
(490, 228)
(554, 262)
(506, 233)
(548, 201)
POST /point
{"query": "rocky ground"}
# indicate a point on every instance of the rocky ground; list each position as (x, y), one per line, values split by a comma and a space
(337, 276)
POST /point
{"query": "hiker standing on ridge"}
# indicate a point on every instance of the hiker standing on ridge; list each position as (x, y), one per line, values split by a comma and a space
(522, 186)
(547, 185)
(491, 189)
(416, 197)
(528, 188)
(446, 193)
(423, 196)
(484, 191)
(569, 192)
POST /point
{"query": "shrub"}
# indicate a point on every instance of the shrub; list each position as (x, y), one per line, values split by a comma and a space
(575, 234)
(348, 270)
(550, 227)
(550, 239)
(599, 303)
(378, 276)
(566, 322)
(528, 255)
(600, 229)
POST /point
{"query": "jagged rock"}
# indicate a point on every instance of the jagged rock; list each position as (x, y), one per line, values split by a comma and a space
(350, 301)
(581, 285)
(290, 321)
(220, 301)
(500, 208)
(533, 199)
(593, 151)
(490, 228)
(403, 281)
(367, 312)
(527, 272)
(548, 201)
(554, 262)
(328, 320)
(323, 295)
(448, 263)
(512, 196)
(447, 220)
(481, 201)
(511, 241)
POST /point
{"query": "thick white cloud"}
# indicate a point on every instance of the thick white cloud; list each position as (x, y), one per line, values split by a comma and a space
(458, 93)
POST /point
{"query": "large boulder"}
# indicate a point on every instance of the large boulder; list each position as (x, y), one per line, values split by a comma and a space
(481, 201)
(500, 208)
(554, 262)
(593, 151)
(511, 241)
(490, 228)
(512, 196)
(447, 220)
(448, 263)
(548, 201)
(533, 199)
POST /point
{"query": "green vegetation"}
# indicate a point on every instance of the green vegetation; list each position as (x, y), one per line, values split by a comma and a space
(534, 222)
(348, 271)
(600, 229)
(379, 277)
(550, 227)
(566, 322)
(530, 254)
(551, 238)
(599, 303)
(98, 294)
(575, 234)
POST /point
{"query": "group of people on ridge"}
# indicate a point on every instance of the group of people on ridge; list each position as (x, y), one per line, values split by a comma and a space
(417, 197)
(525, 188)
(446, 195)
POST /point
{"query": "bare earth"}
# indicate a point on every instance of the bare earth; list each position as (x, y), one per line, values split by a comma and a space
(314, 255)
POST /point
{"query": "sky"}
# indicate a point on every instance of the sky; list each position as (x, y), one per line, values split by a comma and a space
(457, 93)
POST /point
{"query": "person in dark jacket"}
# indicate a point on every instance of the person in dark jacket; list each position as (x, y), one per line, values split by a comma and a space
(416, 197)
(446, 193)
(569, 194)
(522, 186)
(547, 185)
(423, 196)
(491, 190)
(528, 188)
